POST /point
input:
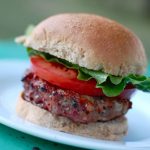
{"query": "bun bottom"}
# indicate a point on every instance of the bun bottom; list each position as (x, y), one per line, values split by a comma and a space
(110, 130)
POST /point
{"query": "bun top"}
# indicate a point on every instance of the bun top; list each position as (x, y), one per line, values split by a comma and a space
(90, 41)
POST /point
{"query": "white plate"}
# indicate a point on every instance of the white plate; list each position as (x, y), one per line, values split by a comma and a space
(10, 86)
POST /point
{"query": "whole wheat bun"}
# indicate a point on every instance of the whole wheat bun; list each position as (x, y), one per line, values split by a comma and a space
(111, 130)
(90, 41)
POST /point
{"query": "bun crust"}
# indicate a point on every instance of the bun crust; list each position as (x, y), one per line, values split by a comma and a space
(90, 41)
(112, 130)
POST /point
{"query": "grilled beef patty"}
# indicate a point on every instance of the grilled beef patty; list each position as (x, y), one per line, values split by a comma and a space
(78, 108)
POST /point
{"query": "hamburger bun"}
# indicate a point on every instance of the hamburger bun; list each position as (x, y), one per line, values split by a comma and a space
(111, 130)
(90, 41)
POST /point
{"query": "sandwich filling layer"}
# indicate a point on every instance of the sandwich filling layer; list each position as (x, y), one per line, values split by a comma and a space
(78, 108)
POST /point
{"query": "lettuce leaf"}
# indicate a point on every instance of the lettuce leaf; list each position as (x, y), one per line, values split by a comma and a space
(111, 85)
(110, 89)
(115, 79)
(29, 29)
(141, 82)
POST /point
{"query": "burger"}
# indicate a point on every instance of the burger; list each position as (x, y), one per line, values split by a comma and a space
(84, 69)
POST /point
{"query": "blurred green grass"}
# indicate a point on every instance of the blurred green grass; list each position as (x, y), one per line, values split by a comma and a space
(16, 15)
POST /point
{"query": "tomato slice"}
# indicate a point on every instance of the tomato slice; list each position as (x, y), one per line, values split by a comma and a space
(65, 78)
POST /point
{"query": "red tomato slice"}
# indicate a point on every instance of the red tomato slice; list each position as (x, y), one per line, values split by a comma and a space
(65, 78)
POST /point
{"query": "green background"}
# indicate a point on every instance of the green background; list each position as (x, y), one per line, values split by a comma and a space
(16, 15)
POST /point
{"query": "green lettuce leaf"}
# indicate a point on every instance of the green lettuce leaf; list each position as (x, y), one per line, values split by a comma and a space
(115, 79)
(110, 89)
(111, 85)
(29, 29)
(141, 82)
(83, 76)
(99, 76)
